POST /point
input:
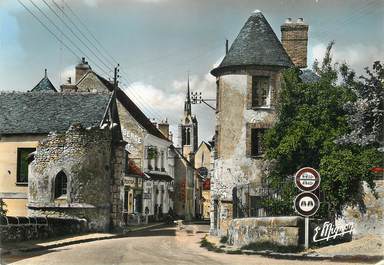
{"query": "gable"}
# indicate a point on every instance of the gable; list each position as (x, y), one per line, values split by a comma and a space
(91, 83)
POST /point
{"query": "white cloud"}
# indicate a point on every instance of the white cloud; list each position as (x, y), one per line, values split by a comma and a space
(358, 56)
(170, 104)
(69, 71)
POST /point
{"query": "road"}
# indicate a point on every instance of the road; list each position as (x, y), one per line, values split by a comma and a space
(160, 246)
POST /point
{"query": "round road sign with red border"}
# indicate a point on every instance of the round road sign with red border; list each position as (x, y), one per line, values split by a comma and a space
(307, 204)
(307, 179)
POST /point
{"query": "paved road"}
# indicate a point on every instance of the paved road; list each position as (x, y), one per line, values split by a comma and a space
(160, 246)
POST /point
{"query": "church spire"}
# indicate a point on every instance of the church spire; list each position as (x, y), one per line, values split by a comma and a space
(187, 103)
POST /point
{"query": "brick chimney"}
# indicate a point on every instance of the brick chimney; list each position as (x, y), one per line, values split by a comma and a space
(294, 37)
(164, 128)
(81, 69)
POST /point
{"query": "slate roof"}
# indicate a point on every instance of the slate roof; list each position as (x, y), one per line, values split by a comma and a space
(135, 111)
(45, 85)
(256, 45)
(41, 113)
(308, 76)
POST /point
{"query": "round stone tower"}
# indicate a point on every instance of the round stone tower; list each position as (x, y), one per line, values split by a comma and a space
(248, 80)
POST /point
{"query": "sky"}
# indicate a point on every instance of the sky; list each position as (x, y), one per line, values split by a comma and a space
(159, 42)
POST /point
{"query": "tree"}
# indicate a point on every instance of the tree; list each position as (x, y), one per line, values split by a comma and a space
(366, 114)
(311, 118)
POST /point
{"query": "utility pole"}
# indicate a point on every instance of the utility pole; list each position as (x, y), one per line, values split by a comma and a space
(115, 77)
(197, 98)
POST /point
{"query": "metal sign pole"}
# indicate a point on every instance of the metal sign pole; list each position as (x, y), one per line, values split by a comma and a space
(306, 240)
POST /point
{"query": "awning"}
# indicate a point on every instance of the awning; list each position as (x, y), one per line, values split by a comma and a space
(161, 177)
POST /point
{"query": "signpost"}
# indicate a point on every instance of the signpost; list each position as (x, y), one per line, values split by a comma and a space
(306, 203)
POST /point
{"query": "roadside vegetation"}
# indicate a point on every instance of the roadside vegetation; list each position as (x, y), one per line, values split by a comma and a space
(335, 125)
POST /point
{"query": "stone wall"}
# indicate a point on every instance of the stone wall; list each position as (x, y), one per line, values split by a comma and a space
(283, 231)
(85, 156)
(372, 221)
(13, 229)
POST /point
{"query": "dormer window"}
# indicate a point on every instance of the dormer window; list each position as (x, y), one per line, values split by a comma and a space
(261, 92)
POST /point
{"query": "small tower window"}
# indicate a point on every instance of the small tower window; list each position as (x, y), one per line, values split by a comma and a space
(60, 184)
(260, 91)
(257, 141)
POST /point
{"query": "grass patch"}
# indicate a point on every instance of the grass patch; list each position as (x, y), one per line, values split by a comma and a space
(234, 252)
(272, 247)
(223, 239)
(209, 246)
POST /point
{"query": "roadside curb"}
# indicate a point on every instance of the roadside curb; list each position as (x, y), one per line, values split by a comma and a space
(86, 240)
(295, 256)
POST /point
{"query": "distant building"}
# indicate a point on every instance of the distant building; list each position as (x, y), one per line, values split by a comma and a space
(248, 82)
(204, 165)
(149, 168)
(187, 181)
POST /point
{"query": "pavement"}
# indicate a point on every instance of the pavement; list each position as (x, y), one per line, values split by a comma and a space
(38, 245)
(368, 249)
(158, 245)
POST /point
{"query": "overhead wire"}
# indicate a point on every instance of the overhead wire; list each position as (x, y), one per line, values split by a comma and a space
(65, 35)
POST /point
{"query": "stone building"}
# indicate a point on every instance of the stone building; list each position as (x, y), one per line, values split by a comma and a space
(187, 181)
(248, 81)
(188, 128)
(15, 145)
(73, 167)
(147, 150)
(204, 166)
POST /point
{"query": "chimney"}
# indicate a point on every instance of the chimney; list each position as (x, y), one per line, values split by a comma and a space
(164, 128)
(294, 37)
(81, 69)
(226, 46)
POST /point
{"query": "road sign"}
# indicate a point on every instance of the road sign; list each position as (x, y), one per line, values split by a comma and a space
(307, 179)
(306, 204)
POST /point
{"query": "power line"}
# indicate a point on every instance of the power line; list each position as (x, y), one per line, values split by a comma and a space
(48, 29)
(134, 94)
(81, 32)
(90, 33)
(65, 35)
(70, 29)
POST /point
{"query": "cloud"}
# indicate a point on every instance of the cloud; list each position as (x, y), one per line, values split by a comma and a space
(69, 71)
(358, 56)
(170, 103)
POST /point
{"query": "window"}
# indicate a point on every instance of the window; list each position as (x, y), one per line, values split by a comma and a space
(22, 164)
(257, 141)
(126, 162)
(60, 184)
(162, 161)
(217, 96)
(125, 204)
(260, 91)
(187, 134)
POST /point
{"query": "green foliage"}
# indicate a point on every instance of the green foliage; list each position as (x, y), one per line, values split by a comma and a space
(3, 207)
(152, 152)
(223, 239)
(210, 246)
(311, 117)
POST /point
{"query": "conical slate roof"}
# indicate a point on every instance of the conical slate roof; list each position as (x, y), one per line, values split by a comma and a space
(256, 45)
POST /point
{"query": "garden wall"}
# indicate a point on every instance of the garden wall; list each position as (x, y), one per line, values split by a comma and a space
(283, 231)
(17, 229)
